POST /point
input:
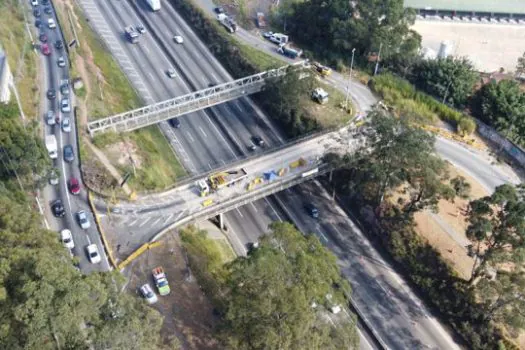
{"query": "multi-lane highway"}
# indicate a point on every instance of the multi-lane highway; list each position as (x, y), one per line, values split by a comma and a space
(51, 79)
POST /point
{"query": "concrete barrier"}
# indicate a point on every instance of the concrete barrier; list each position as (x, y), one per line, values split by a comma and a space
(107, 247)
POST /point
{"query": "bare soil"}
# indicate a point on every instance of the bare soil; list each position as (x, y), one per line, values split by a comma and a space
(121, 152)
(187, 312)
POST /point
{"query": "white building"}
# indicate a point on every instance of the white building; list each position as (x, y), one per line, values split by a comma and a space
(6, 78)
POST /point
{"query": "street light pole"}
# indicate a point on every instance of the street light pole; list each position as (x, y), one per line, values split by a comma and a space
(349, 79)
(378, 58)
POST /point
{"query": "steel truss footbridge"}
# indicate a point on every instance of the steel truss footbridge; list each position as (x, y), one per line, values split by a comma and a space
(192, 102)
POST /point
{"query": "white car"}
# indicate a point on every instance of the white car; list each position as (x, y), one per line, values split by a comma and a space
(83, 220)
(93, 255)
(178, 39)
(66, 125)
(61, 62)
(148, 294)
(50, 118)
(67, 239)
(51, 23)
(34, 2)
(65, 106)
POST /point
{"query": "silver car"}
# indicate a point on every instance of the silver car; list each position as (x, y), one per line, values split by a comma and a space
(64, 105)
(66, 125)
(83, 220)
(148, 294)
(50, 118)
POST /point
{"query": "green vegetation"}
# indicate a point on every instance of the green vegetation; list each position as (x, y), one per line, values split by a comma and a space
(417, 106)
(401, 161)
(22, 59)
(265, 300)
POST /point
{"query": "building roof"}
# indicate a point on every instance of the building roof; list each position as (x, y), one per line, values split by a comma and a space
(498, 6)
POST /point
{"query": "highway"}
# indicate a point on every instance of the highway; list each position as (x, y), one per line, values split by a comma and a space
(72, 203)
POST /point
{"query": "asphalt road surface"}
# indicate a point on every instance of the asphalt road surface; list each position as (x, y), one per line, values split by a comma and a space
(51, 80)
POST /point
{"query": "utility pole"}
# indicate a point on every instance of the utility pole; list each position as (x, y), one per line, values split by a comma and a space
(349, 79)
(378, 58)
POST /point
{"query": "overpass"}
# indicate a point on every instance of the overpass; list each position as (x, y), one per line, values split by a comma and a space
(194, 101)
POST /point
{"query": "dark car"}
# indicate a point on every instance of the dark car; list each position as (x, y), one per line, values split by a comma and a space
(218, 10)
(212, 84)
(175, 123)
(51, 94)
(45, 2)
(69, 154)
(74, 186)
(64, 89)
(48, 10)
(38, 23)
(312, 210)
(59, 45)
(43, 38)
(36, 13)
(257, 140)
(58, 209)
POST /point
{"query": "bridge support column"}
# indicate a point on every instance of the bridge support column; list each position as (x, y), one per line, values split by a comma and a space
(221, 222)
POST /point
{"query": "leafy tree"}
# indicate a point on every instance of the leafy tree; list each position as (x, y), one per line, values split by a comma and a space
(520, 67)
(461, 187)
(449, 79)
(502, 105)
(497, 228)
(272, 291)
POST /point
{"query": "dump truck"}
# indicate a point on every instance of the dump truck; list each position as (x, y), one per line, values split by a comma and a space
(227, 22)
(261, 21)
(226, 178)
(161, 281)
(131, 34)
(289, 51)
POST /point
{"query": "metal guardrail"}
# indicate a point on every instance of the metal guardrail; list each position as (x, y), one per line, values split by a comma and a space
(194, 101)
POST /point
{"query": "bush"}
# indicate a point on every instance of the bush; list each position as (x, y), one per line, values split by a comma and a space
(466, 126)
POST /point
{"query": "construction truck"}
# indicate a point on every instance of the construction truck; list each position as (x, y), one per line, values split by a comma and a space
(226, 178)
(322, 70)
(261, 22)
(161, 281)
(320, 96)
(227, 22)
(203, 187)
(289, 51)
(131, 34)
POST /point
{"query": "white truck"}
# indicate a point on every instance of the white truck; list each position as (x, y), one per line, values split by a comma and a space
(51, 145)
(227, 22)
(154, 4)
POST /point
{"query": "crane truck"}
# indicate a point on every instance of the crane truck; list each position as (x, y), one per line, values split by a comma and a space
(161, 281)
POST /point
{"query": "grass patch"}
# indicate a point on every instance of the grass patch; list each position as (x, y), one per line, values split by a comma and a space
(258, 58)
(226, 251)
(23, 61)
(331, 114)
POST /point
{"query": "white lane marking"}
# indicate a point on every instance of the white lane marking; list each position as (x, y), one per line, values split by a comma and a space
(238, 106)
(155, 222)
(273, 209)
(133, 222)
(88, 239)
(209, 165)
(200, 127)
(145, 221)
(214, 77)
(190, 136)
(254, 207)
(322, 235)
(178, 216)
(167, 219)
(240, 214)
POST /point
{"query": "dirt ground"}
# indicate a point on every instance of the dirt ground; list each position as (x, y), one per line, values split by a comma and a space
(451, 216)
(121, 152)
(188, 314)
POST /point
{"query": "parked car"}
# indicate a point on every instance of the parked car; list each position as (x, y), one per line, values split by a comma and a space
(50, 21)
(66, 124)
(148, 294)
(140, 28)
(83, 220)
(58, 209)
(175, 123)
(69, 155)
(51, 94)
(67, 239)
(65, 107)
(74, 186)
(50, 118)
(59, 45)
(178, 39)
(61, 62)
(43, 38)
(93, 255)
(267, 35)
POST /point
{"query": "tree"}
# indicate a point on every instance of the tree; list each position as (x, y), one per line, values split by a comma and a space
(520, 67)
(461, 187)
(502, 105)
(270, 303)
(497, 228)
(448, 79)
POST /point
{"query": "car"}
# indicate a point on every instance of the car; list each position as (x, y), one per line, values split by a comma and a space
(46, 50)
(38, 24)
(175, 123)
(53, 177)
(69, 155)
(58, 209)
(93, 255)
(36, 13)
(212, 84)
(83, 220)
(251, 246)
(178, 39)
(34, 2)
(257, 140)
(218, 10)
(45, 2)
(312, 210)
(50, 21)
(252, 147)
(267, 35)
(50, 118)
(65, 107)
(140, 28)
(67, 239)
(64, 88)
(74, 186)
(61, 62)
(51, 94)
(48, 11)
(66, 125)
(148, 294)
(59, 45)
(171, 73)
(43, 38)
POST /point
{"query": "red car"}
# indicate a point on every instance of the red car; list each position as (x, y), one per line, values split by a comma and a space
(45, 49)
(74, 186)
